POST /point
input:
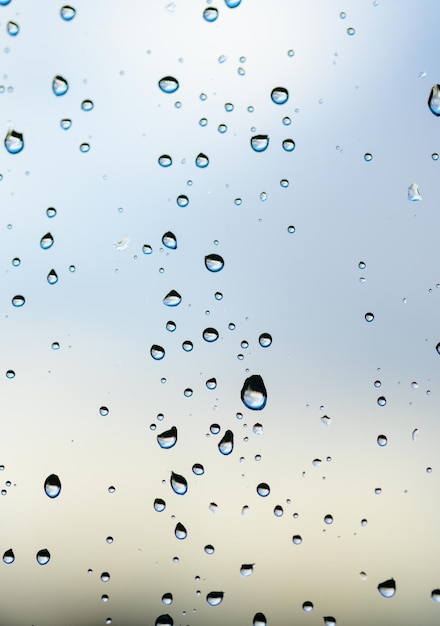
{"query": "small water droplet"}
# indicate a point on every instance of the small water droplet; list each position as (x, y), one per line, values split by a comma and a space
(232, 4)
(157, 352)
(168, 84)
(178, 484)
(265, 340)
(214, 262)
(180, 531)
(263, 490)
(43, 557)
(167, 598)
(52, 486)
(351, 31)
(170, 326)
(60, 86)
(51, 212)
(13, 29)
(288, 145)
(159, 505)
(253, 393)
(368, 157)
(87, 105)
(10, 374)
(182, 200)
(414, 434)
(18, 301)
(188, 392)
(173, 298)
(84, 147)
(46, 241)
(165, 160)
(328, 519)
(387, 589)
(198, 469)
(8, 556)
(210, 14)
(329, 621)
(414, 193)
(214, 598)
(16, 262)
(297, 539)
(52, 277)
(382, 441)
(168, 438)
(434, 156)
(202, 160)
(247, 569)
(226, 444)
(278, 511)
(67, 13)
(381, 401)
(65, 124)
(222, 128)
(14, 142)
(259, 143)
(210, 335)
(211, 383)
(369, 317)
(307, 607)
(279, 95)
(105, 577)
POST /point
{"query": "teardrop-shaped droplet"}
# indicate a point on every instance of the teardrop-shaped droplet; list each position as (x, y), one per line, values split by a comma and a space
(259, 143)
(67, 13)
(18, 301)
(387, 589)
(226, 444)
(168, 438)
(52, 277)
(165, 160)
(202, 160)
(247, 569)
(210, 14)
(263, 490)
(434, 100)
(169, 240)
(169, 84)
(414, 193)
(253, 393)
(14, 142)
(265, 340)
(214, 598)
(157, 352)
(180, 531)
(52, 486)
(172, 298)
(43, 556)
(214, 262)
(13, 29)
(329, 621)
(178, 484)
(159, 505)
(8, 556)
(259, 620)
(211, 383)
(60, 86)
(279, 95)
(210, 335)
(164, 620)
(46, 241)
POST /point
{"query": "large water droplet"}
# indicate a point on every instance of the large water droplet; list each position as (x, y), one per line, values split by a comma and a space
(8, 556)
(43, 557)
(414, 193)
(259, 143)
(247, 569)
(168, 438)
(182, 200)
(307, 607)
(67, 13)
(167, 598)
(279, 95)
(214, 262)
(169, 240)
(210, 14)
(329, 621)
(165, 160)
(387, 589)
(211, 383)
(164, 620)
(52, 277)
(263, 490)
(172, 298)
(226, 444)
(253, 393)
(434, 100)
(265, 340)
(202, 160)
(14, 142)
(46, 241)
(259, 620)
(52, 486)
(157, 352)
(13, 29)
(60, 86)
(180, 531)
(210, 335)
(435, 595)
(214, 598)
(178, 484)
(168, 84)
(18, 301)
(159, 505)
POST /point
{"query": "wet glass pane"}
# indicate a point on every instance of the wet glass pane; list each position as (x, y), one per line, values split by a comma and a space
(220, 313)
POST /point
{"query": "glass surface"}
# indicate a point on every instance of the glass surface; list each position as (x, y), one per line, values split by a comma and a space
(220, 305)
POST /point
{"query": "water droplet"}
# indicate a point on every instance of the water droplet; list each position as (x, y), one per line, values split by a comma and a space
(104, 598)
(167, 598)
(170, 326)
(157, 352)
(387, 589)
(214, 262)
(18, 301)
(329, 621)
(278, 511)
(328, 519)
(12, 28)
(297, 539)
(46, 241)
(226, 445)
(202, 160)
(168, 438)
(84, 147)
(382, 441)
(188, 392)
(247, 569)
(60, 86)
(178, 484)
(182, 200)
(414, 434)
(168, 84)
(52, 277)
(52, 486)
(214, 429)
(368, 157)
(414, 193)
(172, 298)
(434, 156)
(259, 143)
(164, 620)
(211, 383)
(67, 13)
(232, 4)
(263, 490)
(279, 95)
(253, 393)
(105, 577)
(165, 160)
(51, 212)
(214, 598)
(210, 335)
(87, 105)
(198, 469)
(180, 531)
(65, 124)
(203, 122)
(210, 14)
(265, 340)
(169, 240)
(351, 31)
(16, 262)
(14, 142)
(288, 145)
(369, 317)
(8, 556)
(307, 607)
(435, 595)
(43, 557)
(259, 620)
(381, 401)
(434, 100)
(159, 505)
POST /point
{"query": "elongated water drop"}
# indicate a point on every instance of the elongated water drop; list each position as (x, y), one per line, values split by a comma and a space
(247, 569)
(226, 444)
(279, 95)
(259, 620)
(180, 531)
(434, 100)
(178, 484)
(8, 556)
(173, 298)
(253, 393)
(214, 598)
(169, 240)
(214, 262)
(414, 193)
(169, 84)
(52, 486)
(387, 589)
(168, 438)
(46, 241)
(14, 142)
(259, 143)
(43, 556)
(60, 86)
